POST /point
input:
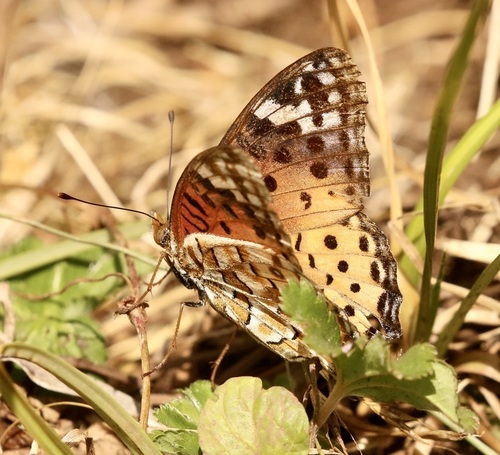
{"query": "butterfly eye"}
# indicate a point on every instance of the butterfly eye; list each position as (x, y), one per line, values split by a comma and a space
(161, 232)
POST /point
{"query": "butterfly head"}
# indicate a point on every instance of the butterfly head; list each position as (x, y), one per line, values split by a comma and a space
(163, 236)
(161, 230)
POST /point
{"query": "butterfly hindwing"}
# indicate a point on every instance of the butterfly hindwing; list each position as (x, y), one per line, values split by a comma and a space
(305, 132)
(339, 262)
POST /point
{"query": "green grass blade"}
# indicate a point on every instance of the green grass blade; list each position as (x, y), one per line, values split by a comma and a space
(457, 161)
(458, 318)
(30, 260)
(38, 429)
(126, 428)
(437, 143)
(467, 148)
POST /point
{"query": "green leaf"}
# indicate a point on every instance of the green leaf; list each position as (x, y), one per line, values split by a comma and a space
(177, 442)
(62, 322)
(79, 338)
(368, 368)
(181, 418)
(417, 377)
(468, 420)
(310, 312)
(415, 363)
(242, 418)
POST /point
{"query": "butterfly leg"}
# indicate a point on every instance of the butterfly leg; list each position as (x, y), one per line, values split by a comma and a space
(173, 345)
(218, 361)
(193, 304)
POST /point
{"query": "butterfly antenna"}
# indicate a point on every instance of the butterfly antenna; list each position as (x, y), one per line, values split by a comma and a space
(68, 197)
(171, 119)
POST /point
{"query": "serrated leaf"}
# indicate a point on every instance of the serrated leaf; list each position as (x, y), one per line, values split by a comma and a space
(372, 358)
(468, 420)
(418, 377)
(434, 392)
(183, 413)
(365, 359)
(181, 417)
(416, 362)
(368, 370)
(198, 393)
(176, 442)
(242, 418)
(310, 312)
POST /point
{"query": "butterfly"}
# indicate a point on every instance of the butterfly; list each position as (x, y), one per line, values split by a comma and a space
(280, 199)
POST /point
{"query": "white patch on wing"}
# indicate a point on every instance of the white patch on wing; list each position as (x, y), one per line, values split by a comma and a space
(309, 68)
(289, 113)
(254, 199)
(330, 120)
(267, 108)
(326, 78)
(334, 97)
(297, 87)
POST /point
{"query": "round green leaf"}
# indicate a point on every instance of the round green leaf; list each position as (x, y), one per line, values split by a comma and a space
(242, 418)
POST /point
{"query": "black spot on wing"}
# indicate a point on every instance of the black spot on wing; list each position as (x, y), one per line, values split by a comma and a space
(290, 129)
(330, 242)
(298, 241)
(271, 183)
(355, 287)
(349, 310)
(283, 155)
(319, 169)
(306, 197)
(343, 266)
(259, 231)
(315, 145)
(363, 243)
(375, 271)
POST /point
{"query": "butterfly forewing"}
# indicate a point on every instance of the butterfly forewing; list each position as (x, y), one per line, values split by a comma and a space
(304, 130)
(220, 194)
(308, 121)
